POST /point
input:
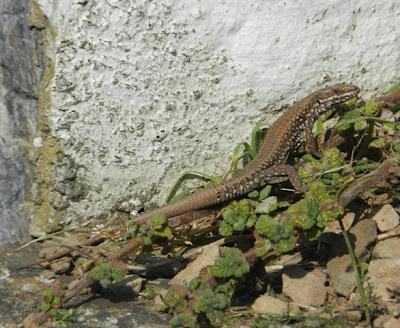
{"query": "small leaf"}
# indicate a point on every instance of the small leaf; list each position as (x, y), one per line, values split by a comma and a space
(377, 143)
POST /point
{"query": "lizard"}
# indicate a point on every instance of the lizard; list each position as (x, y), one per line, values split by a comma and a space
(269, 165)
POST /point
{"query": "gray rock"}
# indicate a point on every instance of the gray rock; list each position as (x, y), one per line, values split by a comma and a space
(267, 205)
(208, 257)
(385, 273)
(270, 305)
(392, 323)
(363, 234)
(19, 78)
(306, 288)
(386, 218)
(379, 321)
(388, 248)
(347, 220)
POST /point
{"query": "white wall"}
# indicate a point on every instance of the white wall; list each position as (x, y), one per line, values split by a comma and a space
(150, 88)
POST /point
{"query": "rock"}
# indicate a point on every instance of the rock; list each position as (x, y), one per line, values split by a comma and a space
(354, 316)
(284, 260)
(267, 205)
(306, 288)
(363, 234)
(392, 323)
(21, 59)
(386, 218)
(343, 282)
(385, 273)
(388, 248)
(270, 305)
(347, 220)
(379, 321)
(136, 285)
(208, 257)
(379, 291)
(394, 309)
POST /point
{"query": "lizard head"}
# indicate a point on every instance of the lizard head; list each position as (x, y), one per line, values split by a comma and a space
(336, 94)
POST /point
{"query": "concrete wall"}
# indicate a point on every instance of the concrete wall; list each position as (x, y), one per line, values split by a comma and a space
(142, 90)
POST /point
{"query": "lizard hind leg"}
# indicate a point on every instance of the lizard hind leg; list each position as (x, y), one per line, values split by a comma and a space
(282, 172)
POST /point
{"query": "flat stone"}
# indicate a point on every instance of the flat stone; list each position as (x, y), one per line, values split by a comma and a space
(392, 323)
(379, 321)
(347, 220)
(385, 273)
(380, 291)
(270, 305)
(208, 257)
(388, 248)
(362, 235)
(303, 287)
(267, 205)
(386, 218)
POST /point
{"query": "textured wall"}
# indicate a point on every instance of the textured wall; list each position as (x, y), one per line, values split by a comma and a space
(145, 89)
(20, 62)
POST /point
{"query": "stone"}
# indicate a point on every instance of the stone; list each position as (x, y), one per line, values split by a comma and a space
(392, 323)
(342, 281)
(303, 287)
(388, 248)
(363, 234)
(270, 305)
(386, 218)
(385, 273)
(208, 257)
(380, 291)
(269, 204)
(19, 79)
(136, 285)
(379, 321)
(347, 220)
(353, 316)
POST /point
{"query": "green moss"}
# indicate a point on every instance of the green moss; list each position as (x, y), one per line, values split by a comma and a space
(232, 264)
(45, 219)
(237, 216)
(370, 107)
(213, 303)
(183, 321)
(174, 302)
(106, 274)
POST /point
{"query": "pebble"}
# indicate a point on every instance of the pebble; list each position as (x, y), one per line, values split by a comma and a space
(392, 323)
(363, 234)
(387, 249)
(386, 218)
(270, 305)
(303, 287)
(208, 257)
(385, 273)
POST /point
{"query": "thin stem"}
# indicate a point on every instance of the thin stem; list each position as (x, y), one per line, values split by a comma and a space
(359, 276)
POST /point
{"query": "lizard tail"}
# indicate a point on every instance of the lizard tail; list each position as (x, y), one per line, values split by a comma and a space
(200, 199)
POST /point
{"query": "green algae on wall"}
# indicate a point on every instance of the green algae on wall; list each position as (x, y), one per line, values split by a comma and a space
(44, 217)
(35, 17)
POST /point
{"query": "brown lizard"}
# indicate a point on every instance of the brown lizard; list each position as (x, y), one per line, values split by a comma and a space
(269, 165)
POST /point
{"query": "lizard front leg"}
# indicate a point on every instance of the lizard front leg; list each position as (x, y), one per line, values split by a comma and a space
(311, 143)
(282, 172)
